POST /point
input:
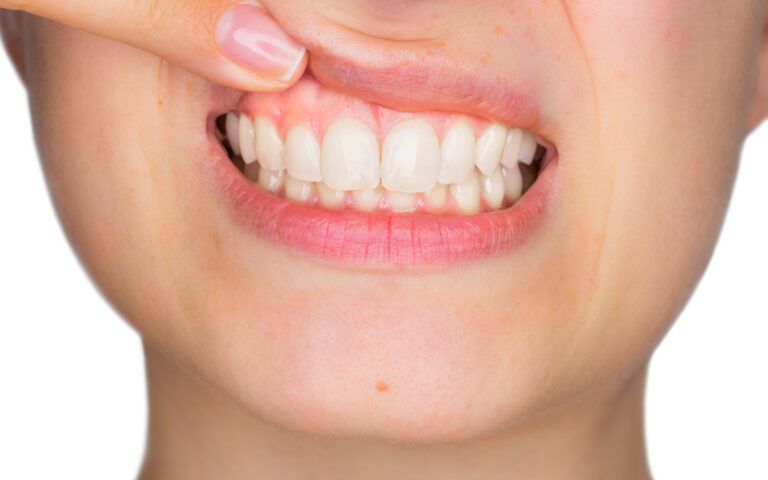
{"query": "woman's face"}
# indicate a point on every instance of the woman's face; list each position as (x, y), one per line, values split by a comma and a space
(642, 106)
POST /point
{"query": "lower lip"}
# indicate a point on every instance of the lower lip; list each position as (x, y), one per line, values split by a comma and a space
(381, 239)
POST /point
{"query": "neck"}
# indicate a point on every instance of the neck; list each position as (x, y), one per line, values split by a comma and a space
(196, 433)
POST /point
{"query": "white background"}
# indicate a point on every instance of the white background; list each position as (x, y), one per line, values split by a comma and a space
(72, 403)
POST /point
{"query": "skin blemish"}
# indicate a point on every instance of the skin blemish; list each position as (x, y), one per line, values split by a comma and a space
(382, 386)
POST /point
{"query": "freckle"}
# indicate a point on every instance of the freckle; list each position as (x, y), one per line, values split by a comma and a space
(382, 387)
(498, 29)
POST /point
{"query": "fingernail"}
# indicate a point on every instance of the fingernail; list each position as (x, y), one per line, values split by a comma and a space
(248, 35)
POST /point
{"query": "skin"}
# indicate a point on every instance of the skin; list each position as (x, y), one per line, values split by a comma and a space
(264, 363)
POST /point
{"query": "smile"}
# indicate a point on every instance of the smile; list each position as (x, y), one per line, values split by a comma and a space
(354, 182)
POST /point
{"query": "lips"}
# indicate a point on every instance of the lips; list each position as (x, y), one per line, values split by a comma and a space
(388, 187)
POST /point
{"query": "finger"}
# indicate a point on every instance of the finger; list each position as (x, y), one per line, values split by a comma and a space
(239, 45)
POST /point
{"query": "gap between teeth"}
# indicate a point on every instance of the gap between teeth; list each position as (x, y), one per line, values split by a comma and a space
(411, 169)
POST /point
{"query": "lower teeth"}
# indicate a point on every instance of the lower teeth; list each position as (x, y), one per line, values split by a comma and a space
(477, 194)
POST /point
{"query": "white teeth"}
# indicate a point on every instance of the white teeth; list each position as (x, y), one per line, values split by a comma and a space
(232, 127)
(269, 145)
(513, 182)
(512, 148)
(436, 197)
(410, 157)
(246, 135)
(402, 202)
(329, 197)
(366, 200)
(528, 148)
(299, 190)
(350, 156)
(272, 181)
(493, 190)
(302, 154)
(489, 148)
(458, 153)
(467, 194)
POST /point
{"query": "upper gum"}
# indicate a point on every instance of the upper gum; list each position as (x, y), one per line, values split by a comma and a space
(310, 103)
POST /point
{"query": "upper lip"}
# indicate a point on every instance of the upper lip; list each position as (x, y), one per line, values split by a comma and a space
(412, 76)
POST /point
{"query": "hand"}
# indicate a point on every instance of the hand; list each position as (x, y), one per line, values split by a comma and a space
(238, 45)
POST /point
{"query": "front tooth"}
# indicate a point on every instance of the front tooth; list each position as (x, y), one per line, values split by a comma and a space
(512, 148)
(302, 154)
(233, 132)
(410, 157)
(366, 200)
(330, 197)
(467, 194)
(269, 145)
(436, 197)
(528, 148)
(350, 156)
(246, 135)
(513, 182)
(493, 190)
(299, 190)
(271, 180)
(489, 148)
(458, 153)
(402, 202)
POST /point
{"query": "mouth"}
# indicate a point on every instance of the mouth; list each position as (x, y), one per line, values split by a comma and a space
(355, 183)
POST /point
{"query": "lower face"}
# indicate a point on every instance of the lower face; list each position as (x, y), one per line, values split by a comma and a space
(395, 261)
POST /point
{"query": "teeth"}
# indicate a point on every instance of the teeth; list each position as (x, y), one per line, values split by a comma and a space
(410, 157)
(350, 156)
(493, 190)
(302, 154)
(467, 194)
(299, 190)
(269, 145)
(232, 128)
(489, 148)
(246, 135)
(458, 153)
(402, 202)
(513, 182)
(272, 181)
(412, 171)
(528, 148)
(435, 198)
(512, 148)
(366, 200)
(329, 197)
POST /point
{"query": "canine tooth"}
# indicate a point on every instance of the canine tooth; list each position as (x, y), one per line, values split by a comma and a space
(271, 180)
(467, 194)
(269, 145)
(410, 157)
(512, 148)
(528, 148)
(252, 171)
(458, 153)
(489, 148)
(299, 190)
(330, 197)
(246, 135)
(513, 182)
(302, 154)
(493, 190)
(366, 200)
(232, 127)
(402, 202)
(436, 197)
(350, 156)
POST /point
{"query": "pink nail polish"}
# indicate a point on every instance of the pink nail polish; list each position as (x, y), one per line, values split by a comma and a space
(248, 35)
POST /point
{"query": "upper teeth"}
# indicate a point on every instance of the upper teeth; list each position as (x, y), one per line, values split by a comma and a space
(410, 161)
